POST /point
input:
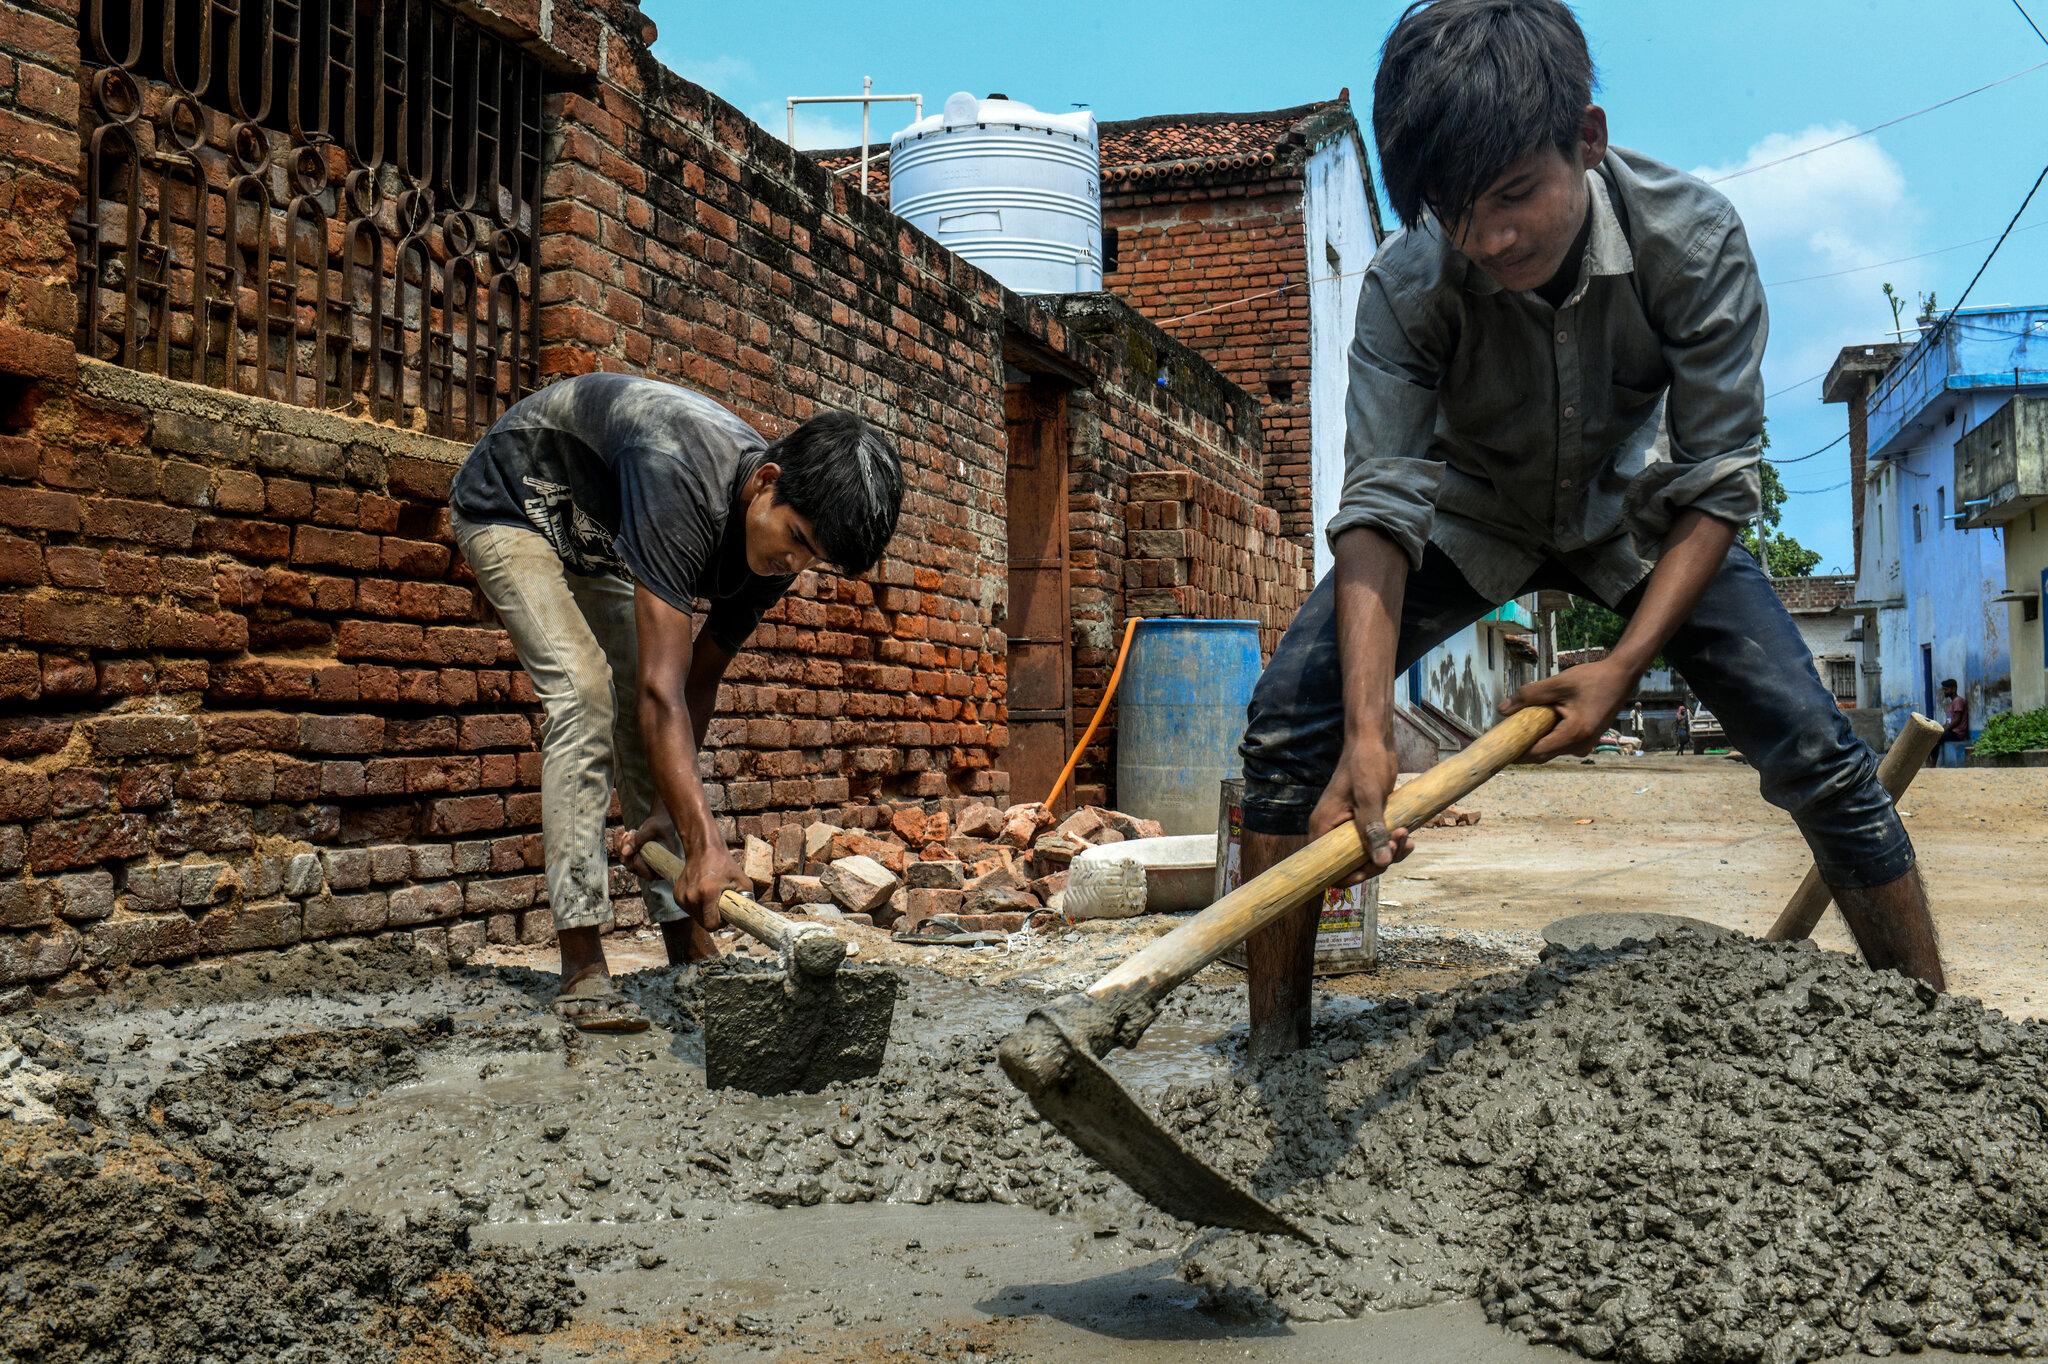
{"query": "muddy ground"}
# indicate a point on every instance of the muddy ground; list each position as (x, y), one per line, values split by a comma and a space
(1674, 1152)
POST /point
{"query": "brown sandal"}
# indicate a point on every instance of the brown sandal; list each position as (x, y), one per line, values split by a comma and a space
(590, 1003)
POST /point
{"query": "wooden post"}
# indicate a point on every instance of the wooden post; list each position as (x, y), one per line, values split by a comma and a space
(1905, 758)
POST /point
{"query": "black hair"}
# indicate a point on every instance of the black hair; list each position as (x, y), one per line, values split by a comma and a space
(841, 474)
(1950, 683)
(1465, 89)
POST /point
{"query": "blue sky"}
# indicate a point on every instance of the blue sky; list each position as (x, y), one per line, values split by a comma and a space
(1711, 87)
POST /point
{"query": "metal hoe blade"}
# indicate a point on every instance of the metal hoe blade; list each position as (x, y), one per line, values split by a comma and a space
(1075, 1093)
(771, 1033)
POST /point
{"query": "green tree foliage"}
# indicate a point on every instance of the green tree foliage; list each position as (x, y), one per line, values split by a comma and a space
(1784, 556)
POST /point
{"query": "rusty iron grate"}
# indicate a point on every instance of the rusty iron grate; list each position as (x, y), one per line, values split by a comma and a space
(332, 203)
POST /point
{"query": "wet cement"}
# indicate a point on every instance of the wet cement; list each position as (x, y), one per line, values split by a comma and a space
(775, 1030)
(1698, 1150)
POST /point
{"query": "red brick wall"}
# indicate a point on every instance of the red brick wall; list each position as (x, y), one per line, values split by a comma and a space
(1190, 248)
(250, 694)
(1193, 548)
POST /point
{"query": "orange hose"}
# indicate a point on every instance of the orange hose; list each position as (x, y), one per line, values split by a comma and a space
(1102, 708)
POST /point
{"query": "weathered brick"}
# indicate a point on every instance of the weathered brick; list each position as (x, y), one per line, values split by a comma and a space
(26, 904)
(458, 815)
(328, 915)
(140, 939)
(37, 956)
(61, 844)
(417, 904)
(347, 868)
(143, 735)
(24, 792)
(246, 928)
(341, 733)
(83, 896)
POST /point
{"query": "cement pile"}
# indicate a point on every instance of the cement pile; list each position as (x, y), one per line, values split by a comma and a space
(1724, 1151)
(123, 1241)
(1715, 1151)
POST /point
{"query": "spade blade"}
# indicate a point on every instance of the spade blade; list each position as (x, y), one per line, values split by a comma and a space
(1075, 1093)
(767, 1035)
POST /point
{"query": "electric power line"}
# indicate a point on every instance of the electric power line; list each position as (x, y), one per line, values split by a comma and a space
(1808, 492)
(1900, 260)
(1875, 127)
(1801, 459)
(2030, 21)
(1941, 327)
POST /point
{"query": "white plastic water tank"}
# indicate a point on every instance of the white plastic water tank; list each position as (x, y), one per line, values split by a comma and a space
(1016, 191)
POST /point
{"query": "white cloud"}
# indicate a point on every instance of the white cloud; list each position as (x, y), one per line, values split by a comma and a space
(1838, 209)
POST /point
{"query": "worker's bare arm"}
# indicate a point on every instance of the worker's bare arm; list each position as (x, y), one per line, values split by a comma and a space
(1586, 697)
(675, 696)
(1372, 576)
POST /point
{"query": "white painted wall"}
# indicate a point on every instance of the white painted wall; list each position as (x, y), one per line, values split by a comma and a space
(1338, 222)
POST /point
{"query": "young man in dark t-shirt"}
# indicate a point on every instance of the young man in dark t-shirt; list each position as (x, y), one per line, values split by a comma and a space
(1555, 382)
(595, 514)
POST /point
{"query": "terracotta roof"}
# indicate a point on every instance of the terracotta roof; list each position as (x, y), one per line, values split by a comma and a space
(1164, 147)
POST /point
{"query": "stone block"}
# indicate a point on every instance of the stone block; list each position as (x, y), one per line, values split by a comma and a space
(25, 904)
(420, 904)
(390, 862)
(154, 888)
(327, 915)
(935, 875)
(860, 883)
(302, 875)
(433, 861)
(797, 889)
(757, 861)
(465, 940)
(347, 868)
(788, 846)
(922, 904)
(202, 883)
(85, 896)
(979, 821)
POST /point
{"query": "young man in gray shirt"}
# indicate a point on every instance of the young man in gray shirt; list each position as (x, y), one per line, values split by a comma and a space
(1555, 383)
(596, 514)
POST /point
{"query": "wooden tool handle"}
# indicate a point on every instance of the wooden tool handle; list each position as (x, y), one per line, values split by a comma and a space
(765, 924)
(1902, 762)
(1172, 959)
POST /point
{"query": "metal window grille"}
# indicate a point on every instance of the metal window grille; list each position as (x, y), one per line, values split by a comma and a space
(1842, 678)
(332, 203)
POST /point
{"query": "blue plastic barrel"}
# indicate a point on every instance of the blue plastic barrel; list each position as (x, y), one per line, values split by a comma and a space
(1180, 715)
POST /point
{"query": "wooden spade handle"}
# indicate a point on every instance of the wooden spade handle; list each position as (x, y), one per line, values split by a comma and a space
(1170, 960)
(1902, 762)
(765, 924)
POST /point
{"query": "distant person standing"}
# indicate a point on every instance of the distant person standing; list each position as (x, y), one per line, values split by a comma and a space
(1682, 726)
(1635, 719)
(1955, 734)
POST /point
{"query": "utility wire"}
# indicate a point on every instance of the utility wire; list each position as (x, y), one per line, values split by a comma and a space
(1875, 127)
(1900, 260)
(2030, 21)
(1801, 459)
(1941, 327)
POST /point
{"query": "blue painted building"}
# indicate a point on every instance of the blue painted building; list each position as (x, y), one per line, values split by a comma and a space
(1931, 588)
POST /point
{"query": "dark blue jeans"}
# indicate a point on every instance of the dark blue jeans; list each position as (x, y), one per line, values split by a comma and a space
(1739, 651)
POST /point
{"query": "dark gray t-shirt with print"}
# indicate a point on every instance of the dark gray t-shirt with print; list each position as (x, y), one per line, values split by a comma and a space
(633, 478)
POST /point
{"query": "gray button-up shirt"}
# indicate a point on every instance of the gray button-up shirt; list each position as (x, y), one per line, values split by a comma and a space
(1506, 431)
